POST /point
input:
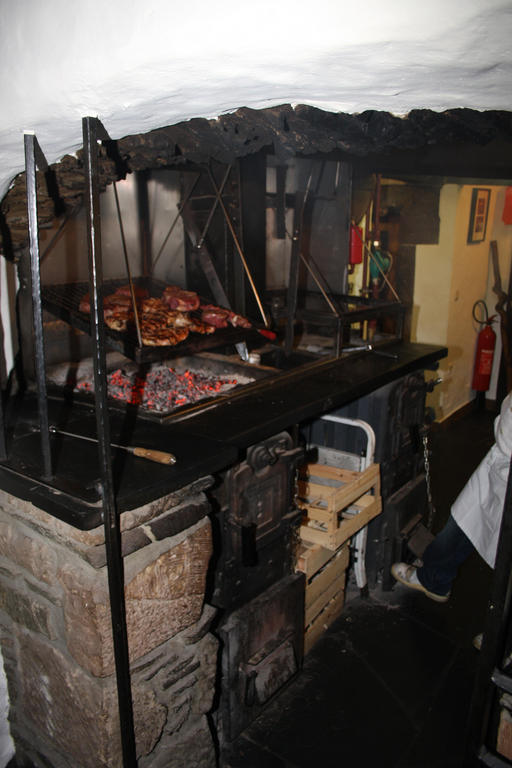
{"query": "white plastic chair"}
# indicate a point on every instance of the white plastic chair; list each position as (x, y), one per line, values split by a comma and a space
(359, 463)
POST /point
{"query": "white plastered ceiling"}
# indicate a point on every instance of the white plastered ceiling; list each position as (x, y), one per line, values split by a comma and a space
(143, 65)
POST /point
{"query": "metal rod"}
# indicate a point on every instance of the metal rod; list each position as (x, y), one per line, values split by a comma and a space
(293, 280)
(151, 454)
(323, 291)
(215, 204)
(3, 444)
(127, 264)
(31, 151)
(206, 263)
(58, 233)
(178, 216)
(395, 294)
(240, 252)
(372, 257)
(92, 131)
(143, 218)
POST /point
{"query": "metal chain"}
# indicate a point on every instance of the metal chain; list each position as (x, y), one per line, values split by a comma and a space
(426, 461)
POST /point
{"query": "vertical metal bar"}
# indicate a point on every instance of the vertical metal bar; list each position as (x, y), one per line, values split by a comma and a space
(37, 310)
(115, 570)
(141, 185)
(293, 280)
(239, 249)
(3, 444)
(214, 206)
(339, 336)
(169, 233)
(127, 265)
(280, 224)
(208, 267)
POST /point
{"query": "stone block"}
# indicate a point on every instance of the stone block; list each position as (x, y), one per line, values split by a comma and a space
(28, 550)
(207, 653)
(164, 593)
(179, 518)
(64, 710)
(74, 538)
(192, 747)
(135, 517)
(28, 609)
(131, 541)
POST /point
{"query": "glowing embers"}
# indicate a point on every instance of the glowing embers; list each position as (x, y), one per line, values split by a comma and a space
(162, 389)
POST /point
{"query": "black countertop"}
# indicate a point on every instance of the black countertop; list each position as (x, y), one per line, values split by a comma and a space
(207, 440)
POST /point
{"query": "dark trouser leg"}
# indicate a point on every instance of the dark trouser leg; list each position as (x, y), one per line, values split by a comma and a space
(443, 557)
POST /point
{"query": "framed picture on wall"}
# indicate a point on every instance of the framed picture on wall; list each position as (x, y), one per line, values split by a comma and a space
(478, 215)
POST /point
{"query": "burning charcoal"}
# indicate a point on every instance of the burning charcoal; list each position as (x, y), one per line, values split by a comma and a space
(162, 389)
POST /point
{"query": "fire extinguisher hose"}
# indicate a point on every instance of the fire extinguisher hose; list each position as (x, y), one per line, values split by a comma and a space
(485, 311)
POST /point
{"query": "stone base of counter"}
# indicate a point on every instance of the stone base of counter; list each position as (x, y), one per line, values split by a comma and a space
(56, 636)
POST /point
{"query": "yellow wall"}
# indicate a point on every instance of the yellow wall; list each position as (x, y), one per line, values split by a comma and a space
(433, 275)
(450, 277)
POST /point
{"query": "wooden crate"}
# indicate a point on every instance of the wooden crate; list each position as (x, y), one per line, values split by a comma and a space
(325, 588)
(337, 502)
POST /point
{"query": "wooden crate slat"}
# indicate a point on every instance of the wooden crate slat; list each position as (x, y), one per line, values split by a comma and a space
(318, 496)
(332, 515)
(325, 470)
(311, 558)
(328, 519)
(323, 600)
(361, 485)
(314, 536)
(337, 498)
(370, 507)
(332, 573)
(323, 621)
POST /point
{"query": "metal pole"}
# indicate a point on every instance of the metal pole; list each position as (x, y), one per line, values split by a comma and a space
(171, 230)
(127, 265)
(239, 249)
(218, 193)
(141, 186)
(293, 280)
(92, 130)
(31, 150)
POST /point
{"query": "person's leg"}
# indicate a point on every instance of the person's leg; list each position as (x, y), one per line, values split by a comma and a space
(441, 561)
(442, 558)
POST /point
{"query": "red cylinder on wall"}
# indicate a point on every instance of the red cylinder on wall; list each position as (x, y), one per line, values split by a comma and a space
(506, 216)
(485, 345)
(356, 245)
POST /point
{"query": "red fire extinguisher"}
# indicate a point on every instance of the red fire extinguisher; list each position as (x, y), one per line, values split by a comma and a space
(486, 341)
(356, 245)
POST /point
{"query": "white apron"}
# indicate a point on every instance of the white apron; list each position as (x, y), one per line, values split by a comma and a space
(479, 506)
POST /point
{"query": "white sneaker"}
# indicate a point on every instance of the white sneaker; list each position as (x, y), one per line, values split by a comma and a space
(406, 575)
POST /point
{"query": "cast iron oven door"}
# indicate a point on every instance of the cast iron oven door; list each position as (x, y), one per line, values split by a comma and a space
(253, 525)
(262, 651)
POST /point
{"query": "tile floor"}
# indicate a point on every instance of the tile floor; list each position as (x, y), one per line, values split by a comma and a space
(390, 682)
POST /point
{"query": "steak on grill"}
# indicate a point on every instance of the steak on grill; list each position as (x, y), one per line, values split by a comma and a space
(177, 298)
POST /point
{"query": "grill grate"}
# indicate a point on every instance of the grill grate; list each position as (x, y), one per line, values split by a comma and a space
(62, 300)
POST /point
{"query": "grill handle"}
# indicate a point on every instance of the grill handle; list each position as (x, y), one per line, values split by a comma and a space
(149, 453)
